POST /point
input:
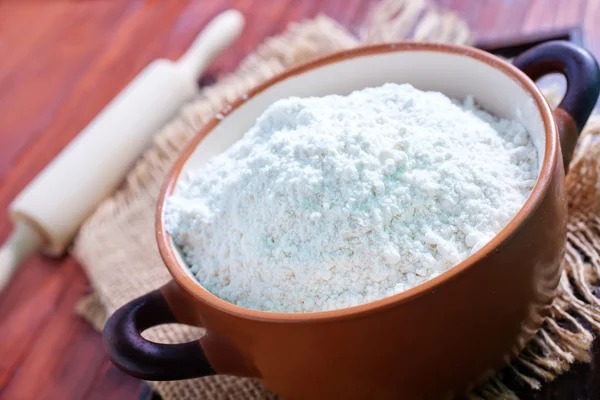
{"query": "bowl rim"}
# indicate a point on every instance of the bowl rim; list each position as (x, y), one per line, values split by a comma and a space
(537, 195)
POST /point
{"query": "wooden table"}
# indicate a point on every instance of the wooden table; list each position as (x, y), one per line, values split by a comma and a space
(61, 61)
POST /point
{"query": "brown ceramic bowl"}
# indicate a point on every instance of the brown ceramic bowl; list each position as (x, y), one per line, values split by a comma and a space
(433, 341)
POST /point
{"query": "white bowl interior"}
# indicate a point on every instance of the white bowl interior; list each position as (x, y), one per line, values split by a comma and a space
(456, 75)
(452, 74)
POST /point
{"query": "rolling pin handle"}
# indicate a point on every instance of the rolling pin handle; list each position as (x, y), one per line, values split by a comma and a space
(20, 244)
(213, 39)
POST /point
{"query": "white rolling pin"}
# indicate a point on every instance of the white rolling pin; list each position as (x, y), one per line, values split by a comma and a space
(49, 211)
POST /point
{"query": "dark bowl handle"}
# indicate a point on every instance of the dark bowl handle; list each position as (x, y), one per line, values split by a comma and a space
(144, 359)
(580, 69)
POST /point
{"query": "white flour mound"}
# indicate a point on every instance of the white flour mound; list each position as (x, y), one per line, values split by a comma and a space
(336, 201)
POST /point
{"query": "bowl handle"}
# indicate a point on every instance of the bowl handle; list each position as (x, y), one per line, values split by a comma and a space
(583, 86)
(144, 359)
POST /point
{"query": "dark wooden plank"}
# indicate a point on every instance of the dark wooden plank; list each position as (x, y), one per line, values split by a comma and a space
(509, 18)
(12, 16)
(30, 279)
(569, 13)
(344, 13)
(21, 325)
(512, 46)
(113, 384)
(43, 70)
(590, 18)
(540, 15)
(59, 349)
(487, 17)
(471, 13)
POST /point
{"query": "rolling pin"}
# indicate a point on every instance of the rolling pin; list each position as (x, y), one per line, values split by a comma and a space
(48, 212)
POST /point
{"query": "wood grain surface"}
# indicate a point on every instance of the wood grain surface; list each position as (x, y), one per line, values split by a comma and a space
(61, 61)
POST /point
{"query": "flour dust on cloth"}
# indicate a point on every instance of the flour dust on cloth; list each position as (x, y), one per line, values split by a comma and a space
(119, 273)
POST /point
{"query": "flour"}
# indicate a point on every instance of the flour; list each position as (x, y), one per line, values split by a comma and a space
(336, 201)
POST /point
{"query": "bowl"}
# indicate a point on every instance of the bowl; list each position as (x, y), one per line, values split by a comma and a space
(433, 341)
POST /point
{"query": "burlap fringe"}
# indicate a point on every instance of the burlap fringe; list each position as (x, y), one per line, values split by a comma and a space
(565, 337)
(567, 334)
(393, 20)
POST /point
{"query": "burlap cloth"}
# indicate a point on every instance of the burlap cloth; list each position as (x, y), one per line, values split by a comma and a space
(117, 248)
